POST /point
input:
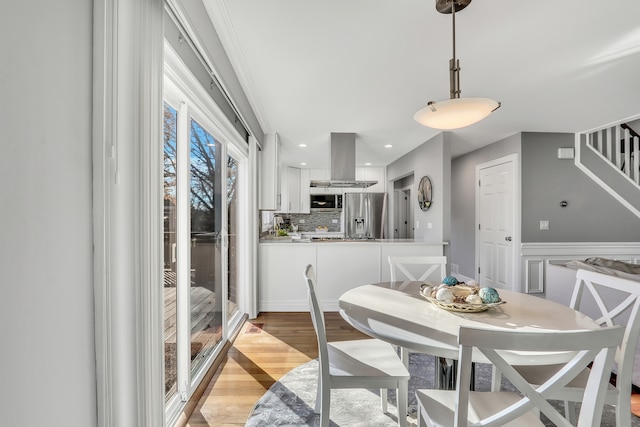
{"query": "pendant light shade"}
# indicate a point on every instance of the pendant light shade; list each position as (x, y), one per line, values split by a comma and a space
(456, 112)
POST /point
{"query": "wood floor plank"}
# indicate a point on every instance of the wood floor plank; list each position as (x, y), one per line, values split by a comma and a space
(265, 350)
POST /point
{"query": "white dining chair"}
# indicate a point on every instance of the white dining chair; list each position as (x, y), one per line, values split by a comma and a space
(610, 300)
(427, 266)
(462, 407)
(368, 363)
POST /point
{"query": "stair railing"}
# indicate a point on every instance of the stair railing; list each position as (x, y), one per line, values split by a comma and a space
(620, 145)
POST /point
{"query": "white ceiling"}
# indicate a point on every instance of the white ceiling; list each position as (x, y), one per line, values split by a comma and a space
(312, 67)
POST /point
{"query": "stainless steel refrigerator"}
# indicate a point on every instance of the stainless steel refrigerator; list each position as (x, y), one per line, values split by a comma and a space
(365, 215)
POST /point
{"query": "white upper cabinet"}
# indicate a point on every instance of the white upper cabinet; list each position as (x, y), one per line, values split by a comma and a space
(269, 197)
(370, 174)
(304, 191)
(374, 174)
(290, 190)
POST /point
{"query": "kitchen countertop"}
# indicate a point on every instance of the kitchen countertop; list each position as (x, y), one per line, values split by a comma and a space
(334, 241)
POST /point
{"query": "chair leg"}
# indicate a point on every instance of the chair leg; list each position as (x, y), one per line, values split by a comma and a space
(383, 400)
(496, 379)
(319, 396)
(402, 401)
(623, 410)
(404, 355)
(419, 416)
(570, 412)
(325, 400)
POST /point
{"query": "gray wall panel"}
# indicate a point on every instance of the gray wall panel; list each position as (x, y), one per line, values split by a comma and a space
(592, 215)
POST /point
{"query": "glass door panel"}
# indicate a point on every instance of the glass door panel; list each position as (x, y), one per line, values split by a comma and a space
(169, 252)
(232, 231)
(205, 246)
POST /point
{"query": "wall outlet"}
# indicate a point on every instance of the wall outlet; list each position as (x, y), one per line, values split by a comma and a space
(544, 225)
(301, 221)
(334, 221)
(429, 226)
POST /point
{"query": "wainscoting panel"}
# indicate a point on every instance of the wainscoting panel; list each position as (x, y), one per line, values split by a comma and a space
(535, 258)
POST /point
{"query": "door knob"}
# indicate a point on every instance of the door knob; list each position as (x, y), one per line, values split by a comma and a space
(508, 238)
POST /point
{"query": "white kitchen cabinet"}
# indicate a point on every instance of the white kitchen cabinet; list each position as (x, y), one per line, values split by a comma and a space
(304, 191)
(339, 266)
(344, 267)
(373, 174)
(281, 285)
(269, 197)
(290, 190)
(319, 175)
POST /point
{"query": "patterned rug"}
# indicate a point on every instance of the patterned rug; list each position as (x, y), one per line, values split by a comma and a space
(290, 401)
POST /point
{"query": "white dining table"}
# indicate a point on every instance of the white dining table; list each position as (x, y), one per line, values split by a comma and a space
(395, 312)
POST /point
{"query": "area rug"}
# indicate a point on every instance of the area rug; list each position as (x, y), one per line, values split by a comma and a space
(291, 401)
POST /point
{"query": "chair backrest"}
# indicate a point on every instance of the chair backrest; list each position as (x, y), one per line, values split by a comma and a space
(612, 300)
(597, 345)
(317, 317)
(430, 265)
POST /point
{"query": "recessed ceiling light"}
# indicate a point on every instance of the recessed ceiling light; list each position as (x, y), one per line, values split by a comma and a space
(303, 164)
(388, 146)
(367, 164)
(302, 145)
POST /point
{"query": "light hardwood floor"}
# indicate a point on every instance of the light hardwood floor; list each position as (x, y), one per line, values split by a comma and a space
(266, 348)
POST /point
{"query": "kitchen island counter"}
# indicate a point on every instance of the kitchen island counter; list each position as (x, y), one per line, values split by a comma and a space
(340, 265)
(335, 240)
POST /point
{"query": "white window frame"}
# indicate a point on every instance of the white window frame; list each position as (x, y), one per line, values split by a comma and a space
(185, 93)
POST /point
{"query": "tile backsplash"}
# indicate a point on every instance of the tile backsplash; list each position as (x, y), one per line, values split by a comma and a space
(313, 220)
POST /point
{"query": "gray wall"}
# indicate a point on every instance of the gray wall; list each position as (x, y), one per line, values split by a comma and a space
(463, 200)
(592, 215)
(46, 309)
(433, 159)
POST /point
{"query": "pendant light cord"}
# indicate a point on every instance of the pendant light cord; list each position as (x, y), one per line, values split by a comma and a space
(454, 65)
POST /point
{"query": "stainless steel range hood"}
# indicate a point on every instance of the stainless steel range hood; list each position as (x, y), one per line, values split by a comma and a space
(343, 164)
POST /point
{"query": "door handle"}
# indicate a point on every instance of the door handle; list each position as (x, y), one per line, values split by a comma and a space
(508, 238)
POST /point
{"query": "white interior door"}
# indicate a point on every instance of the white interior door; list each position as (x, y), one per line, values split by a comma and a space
(496, 241)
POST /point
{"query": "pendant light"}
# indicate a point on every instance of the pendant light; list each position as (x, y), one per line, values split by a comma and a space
(455, 112)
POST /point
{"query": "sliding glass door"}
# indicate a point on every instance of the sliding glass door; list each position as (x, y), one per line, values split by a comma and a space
(204, 241)
(206, 276)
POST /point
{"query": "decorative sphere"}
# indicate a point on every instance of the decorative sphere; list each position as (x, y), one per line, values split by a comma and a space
(450, 281)
(445, 295)
(473, 299)
(489, 295)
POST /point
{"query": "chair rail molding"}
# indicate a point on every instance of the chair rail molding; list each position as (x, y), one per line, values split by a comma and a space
(535, 257)
(127, 202)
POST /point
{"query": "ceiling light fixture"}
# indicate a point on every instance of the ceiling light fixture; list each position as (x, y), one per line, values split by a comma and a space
(455, 112)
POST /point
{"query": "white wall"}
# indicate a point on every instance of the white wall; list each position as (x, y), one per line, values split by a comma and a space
(47, 361)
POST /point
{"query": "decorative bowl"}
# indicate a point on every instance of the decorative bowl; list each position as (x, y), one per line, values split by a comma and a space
(457, 306)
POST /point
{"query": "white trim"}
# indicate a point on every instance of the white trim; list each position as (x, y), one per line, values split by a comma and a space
(207, 110)
(219, 15)
(127, 116)
(596, 179)
(515, 242)
(540, 254)
(580, 249)
(254, 231)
